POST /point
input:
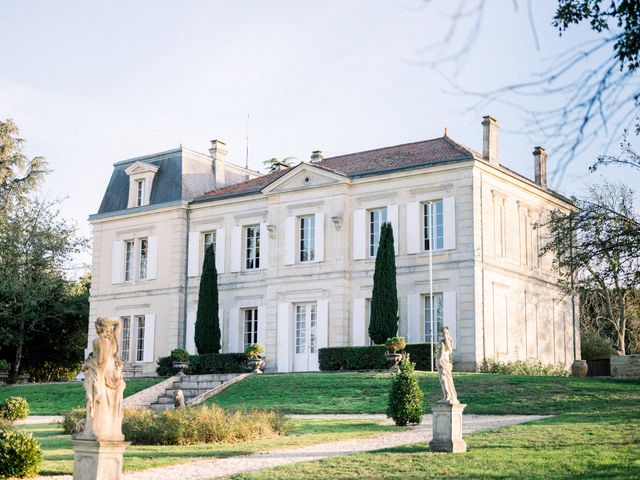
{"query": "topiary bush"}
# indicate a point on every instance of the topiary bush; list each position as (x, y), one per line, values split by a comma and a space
(370, 358)
(521, 367)
(405, 397)
(14, 408)
(594, 346)
(20, 454)
(179, 355)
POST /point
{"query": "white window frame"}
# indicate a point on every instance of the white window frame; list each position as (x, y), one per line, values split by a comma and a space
(143, 258)
(252, 251)
(209, 238)
(125, 338)
(140, 338)
(429, 225)
(250, 321)
(499, 226)
(300, 334)
(140, 192)
(307, 238)
(438, 316)
(129, 254)
(374, 227)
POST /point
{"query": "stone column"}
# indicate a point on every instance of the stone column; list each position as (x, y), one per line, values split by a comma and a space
(97, 460)
(447, 428)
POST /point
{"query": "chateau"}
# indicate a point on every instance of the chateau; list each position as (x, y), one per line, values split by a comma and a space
(295, 252)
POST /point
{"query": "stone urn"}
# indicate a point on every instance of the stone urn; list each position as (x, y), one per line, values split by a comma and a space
(394, 360)
(4, 376)
(255, 363)
(579, 368)
(180, 366)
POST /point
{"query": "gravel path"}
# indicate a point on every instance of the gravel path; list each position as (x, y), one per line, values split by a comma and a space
(37, 419)
(215, 468)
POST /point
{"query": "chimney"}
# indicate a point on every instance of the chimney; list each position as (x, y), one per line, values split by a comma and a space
(218, 152)
(540, 165)
(316, 156)
(490, 139)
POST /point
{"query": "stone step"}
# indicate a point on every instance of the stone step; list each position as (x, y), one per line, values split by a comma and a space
(208, 384)
(216, 377)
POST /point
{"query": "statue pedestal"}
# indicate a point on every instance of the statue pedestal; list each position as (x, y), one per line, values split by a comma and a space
(447, 428)
(97, 460)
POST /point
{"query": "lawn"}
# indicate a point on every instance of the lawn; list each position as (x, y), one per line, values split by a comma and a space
(352, 392)
(59, 398)
(58, 456)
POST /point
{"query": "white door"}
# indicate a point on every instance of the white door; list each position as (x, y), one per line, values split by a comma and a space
(305, 355)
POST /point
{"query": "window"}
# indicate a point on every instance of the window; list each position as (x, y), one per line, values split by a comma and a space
(252, 234)
(376, 219)
(308, 238)
(437, 316)
(433, 225)
(306, 319)
(125, 340)
(209, 239)
(128, 261)
(139, 193)
(499, 233)
(144, 254)
(301, 329)
(140, 338)
(250, 326)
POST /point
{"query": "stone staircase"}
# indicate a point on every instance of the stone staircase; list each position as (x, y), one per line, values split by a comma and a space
(196, 388)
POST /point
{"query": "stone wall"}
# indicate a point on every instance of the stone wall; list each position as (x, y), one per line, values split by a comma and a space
(625, 366)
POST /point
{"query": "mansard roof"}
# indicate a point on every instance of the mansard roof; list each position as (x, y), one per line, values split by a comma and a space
(370, 162)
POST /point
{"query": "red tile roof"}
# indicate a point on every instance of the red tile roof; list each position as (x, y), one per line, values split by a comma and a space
(371, 162)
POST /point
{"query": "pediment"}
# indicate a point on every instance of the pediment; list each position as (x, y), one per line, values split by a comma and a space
(304, 176)
(139, 168)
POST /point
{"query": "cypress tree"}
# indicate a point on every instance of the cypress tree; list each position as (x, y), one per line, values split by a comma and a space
(207, 332)
(384, 301)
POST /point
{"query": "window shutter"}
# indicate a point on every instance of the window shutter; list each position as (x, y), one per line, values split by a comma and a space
(319, 237)
(221, 322)
(262, 325)
(358, 323)
(117, 261)
(189, 341)
(392, 218)
(449, 314)
(283, 334)
(449, 222)
(413, 227)
(413, 319)
(322, 327)
(152, 258)
(149, 337)
(264, 246)
(220, 239)
(234, 330)
(290, 240)
(236, 249)
(359, 234)
(193, 267)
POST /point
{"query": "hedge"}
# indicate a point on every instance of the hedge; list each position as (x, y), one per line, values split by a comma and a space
(205, 364)
(371, 358)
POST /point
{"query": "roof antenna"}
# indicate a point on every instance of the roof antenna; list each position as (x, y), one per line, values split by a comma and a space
(246, 158)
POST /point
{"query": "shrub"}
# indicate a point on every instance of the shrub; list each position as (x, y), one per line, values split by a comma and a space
(14, 408)
(205, 364)
(405, 397)
(254, 350)
(179, 355)
(394, 344)
(384, 297)
(521, 367)
(4, 366)
(594, 346)
(72, 418)
(370, 358)
(20, 454)
(206, 424)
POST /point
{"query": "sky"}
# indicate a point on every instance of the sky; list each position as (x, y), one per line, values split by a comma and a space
(93, 83)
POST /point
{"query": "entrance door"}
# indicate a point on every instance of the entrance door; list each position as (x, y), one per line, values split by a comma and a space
(305, 357)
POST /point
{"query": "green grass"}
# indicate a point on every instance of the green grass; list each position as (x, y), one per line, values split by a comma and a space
(59, 398)
(568, 446)
(352, 392)
(58, 456)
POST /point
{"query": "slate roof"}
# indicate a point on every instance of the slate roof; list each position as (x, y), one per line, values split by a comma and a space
(370, 162)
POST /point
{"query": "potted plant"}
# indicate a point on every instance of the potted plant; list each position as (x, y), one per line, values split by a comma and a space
(394, 345)
(4, 370)
(180, 359)
(255, 359)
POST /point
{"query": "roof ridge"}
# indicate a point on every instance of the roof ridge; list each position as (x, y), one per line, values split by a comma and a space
(461, 146)
(379, 149)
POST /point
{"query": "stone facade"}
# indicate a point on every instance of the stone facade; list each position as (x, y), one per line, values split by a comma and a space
(625, 366)
(497, 297)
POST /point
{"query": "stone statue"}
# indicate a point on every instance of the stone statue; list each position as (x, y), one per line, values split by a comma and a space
(178, 399)
(443, 360)
(104, 385)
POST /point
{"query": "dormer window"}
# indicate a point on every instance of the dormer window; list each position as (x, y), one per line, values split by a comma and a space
(140, 182)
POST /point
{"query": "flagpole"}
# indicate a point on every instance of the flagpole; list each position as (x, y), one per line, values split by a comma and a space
(431, 303)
